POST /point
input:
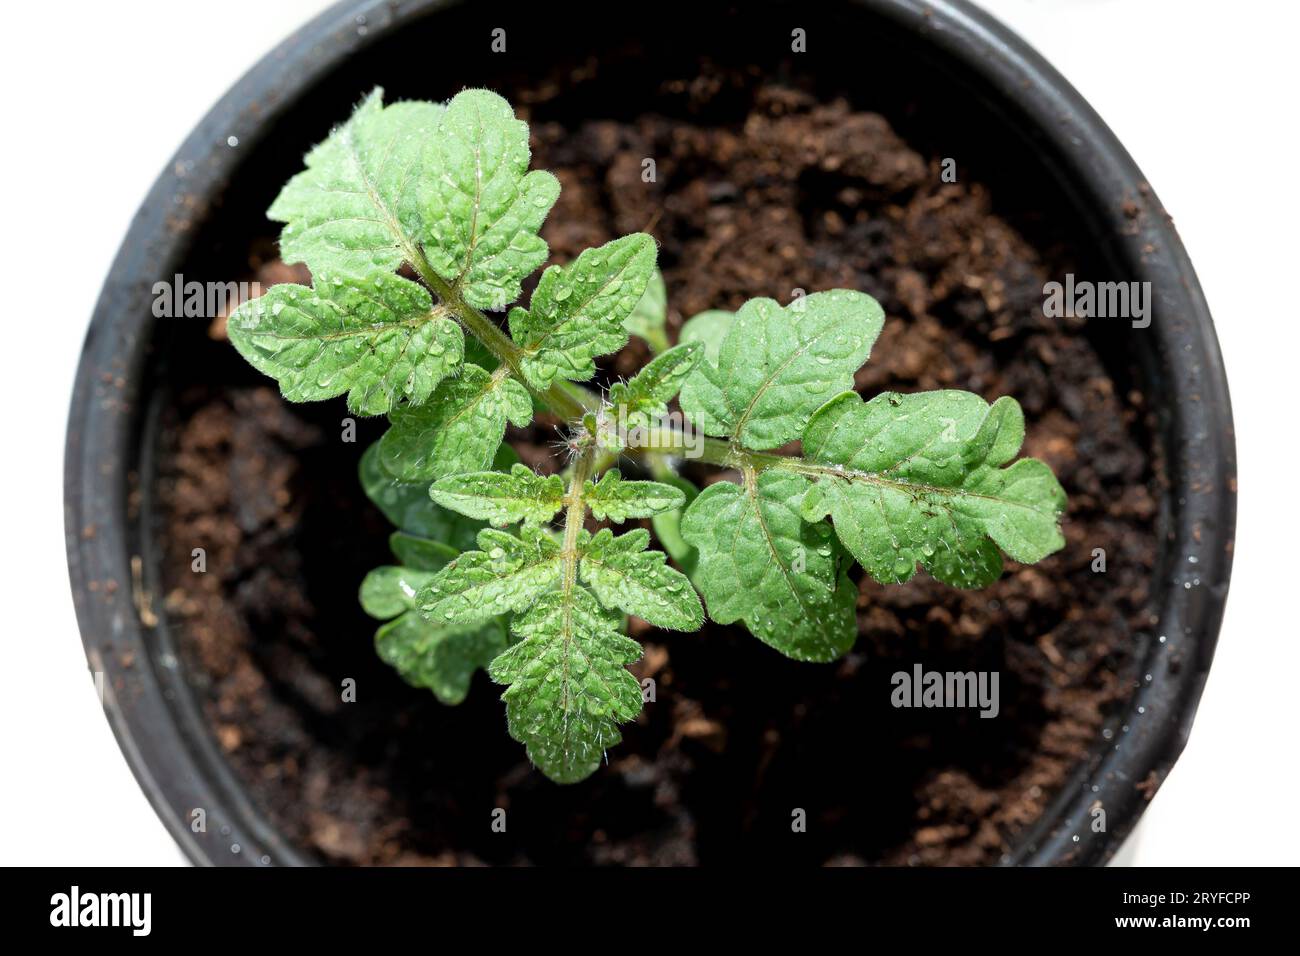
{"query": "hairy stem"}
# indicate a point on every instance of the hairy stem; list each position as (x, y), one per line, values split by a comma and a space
(575, 514)
(711, 451)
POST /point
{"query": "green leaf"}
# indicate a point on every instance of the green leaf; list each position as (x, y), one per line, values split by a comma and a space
(650, 316)
(777, 365)
(509, 573)
(569, 686)
(668, 524)
(709, 329)
(379, 339)
(920, 482)
(577, 311)
(389, 591)
(442, 658)
(761, 563)
(408, 506)
(458, 430)
(482, 206)
(423, 554)
(476, 353)
(645, 398)
(354, 209)
(623, 574)
(501, 499)
(613, 499)
(505, 458)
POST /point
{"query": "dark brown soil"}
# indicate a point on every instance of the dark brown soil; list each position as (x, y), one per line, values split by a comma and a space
(800, 194)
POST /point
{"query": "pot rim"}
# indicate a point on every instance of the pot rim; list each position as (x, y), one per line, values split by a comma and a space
(146, 698)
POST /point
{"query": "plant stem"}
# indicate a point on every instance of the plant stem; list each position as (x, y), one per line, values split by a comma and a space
(575, 514)
(711, 451)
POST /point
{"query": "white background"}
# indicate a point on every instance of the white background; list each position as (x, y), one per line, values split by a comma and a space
(99, 95)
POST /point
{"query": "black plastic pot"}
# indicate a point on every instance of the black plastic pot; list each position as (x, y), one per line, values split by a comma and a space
(999, 90)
